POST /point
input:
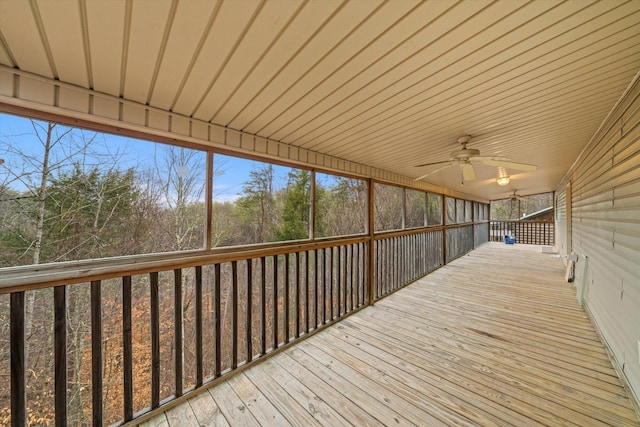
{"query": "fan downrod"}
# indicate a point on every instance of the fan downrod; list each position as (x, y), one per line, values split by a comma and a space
(465, 152)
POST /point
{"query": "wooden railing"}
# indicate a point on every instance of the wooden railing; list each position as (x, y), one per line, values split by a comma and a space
(528, 232)
(160, 326)
(255, 302)
(401, 258)
(480, 233)
(459, 241)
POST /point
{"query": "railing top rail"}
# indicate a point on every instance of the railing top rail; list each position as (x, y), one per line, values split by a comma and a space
(381, 235)
(28, 277)
(518, 221)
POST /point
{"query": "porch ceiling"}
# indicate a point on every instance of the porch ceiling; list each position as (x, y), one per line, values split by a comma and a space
(387, 84)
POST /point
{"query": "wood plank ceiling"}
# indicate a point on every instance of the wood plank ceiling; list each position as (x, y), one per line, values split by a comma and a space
(385, 83)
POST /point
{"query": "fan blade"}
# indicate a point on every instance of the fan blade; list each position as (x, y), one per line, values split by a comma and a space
(511, 165)
(436, 163)
(487, 158)
(468, 172)
(433, 172)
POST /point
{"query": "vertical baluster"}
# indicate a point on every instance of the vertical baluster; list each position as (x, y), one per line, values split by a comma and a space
(401, 261)
(352, 280)
(412, 257)
(397, 262)
(422, 254)
(177, 327)
(155, 340)
(368, 279)
(417, 255)
(60, 353)
(315, 294)
(382, 267)
(409, 256)
(263, 304)
(324, 286)
(96, 351)
(18, 365)
(199, 352)
(297, 299)
(345, 276)
(378, 268)
(248, 318)
(234, 314)
(218, 310)
(391, 265)
(306, 294)
(354, 287)
(339, 283)
(275, 302)
(365, 248)
(405, 242)
(330, 272)
(423, 261)
(356, 262)
(286, 297)
(360, 274)
(342, 274)
(127, 348)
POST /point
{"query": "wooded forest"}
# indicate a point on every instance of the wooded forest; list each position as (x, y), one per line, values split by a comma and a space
(76, 197)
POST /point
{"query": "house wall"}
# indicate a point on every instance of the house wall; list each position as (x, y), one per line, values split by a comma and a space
(601, 197)
(561, 221)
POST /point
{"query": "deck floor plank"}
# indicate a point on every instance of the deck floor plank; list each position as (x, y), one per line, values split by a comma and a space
(180, 415)
(317, 379)
(538, 399)
(306, 397)
(295, 414)
(232, 406)
(495, 337)
(159, 420)
(388, 408)
(207, 411)
(261, 408)
(522, 367)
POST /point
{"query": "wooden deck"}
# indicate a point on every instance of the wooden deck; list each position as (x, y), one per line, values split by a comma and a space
(493, 338)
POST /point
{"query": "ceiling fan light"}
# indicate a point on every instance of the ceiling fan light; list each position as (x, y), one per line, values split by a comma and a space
(502, 180)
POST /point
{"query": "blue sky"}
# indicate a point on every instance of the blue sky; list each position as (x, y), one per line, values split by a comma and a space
(17, 132)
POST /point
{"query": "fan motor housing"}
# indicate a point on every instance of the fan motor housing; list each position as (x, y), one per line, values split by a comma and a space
(465, 153)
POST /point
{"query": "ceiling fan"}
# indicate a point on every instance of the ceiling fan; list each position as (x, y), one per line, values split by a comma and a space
(465, 158)
(515, 196)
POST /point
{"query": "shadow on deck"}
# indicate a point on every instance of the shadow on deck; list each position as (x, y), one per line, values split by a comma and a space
(493, 338)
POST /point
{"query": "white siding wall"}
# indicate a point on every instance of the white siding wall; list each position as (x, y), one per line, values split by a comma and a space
(605, 223)
(561, 221)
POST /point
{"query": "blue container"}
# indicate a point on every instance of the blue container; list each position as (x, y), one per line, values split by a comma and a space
(508, 240)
